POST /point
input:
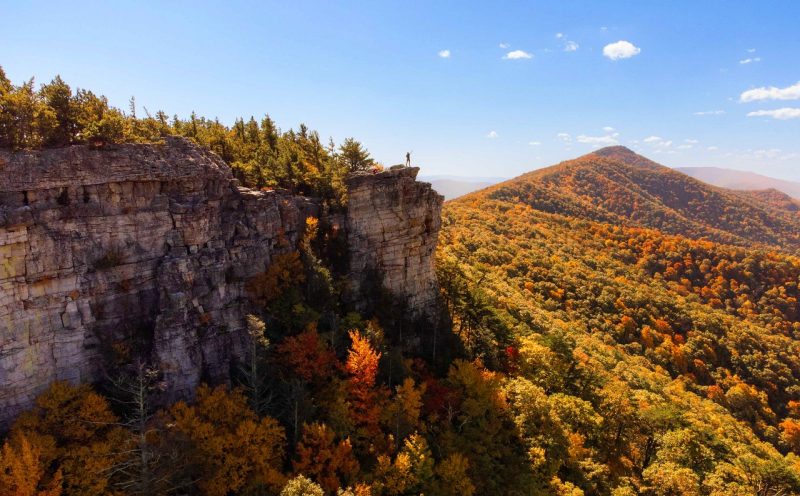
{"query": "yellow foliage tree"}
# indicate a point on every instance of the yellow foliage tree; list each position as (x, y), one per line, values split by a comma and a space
(22, 472)
(74, 428)
(233, 449)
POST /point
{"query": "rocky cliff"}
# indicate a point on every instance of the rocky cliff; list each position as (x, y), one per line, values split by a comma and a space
(146, 249)
(393, 226)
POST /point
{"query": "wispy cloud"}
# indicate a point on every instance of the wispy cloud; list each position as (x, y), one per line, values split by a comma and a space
(445, 54)
(504, 45)
(710, 112)
(534, 143)
(771, 153)
(658, 142)
(607, 140)
(609, 129)
(783, 114)
(565, 137)
(712, 148)
(621, 50)
(569, 45)
(771, 93)
(518, 55)
(750, 60)
(492, 135)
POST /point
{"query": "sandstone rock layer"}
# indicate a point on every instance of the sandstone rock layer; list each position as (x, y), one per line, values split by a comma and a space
(146, 249)
(393, 226)
(136, 249)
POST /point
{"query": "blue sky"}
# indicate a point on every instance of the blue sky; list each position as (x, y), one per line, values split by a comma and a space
(522, 84)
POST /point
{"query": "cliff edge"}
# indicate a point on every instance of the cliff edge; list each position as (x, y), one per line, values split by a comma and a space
(146, 250)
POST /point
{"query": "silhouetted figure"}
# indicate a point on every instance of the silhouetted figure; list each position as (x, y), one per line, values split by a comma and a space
(408, 159)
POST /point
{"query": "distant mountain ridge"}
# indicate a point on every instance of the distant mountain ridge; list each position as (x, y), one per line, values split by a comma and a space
(741, 180)
(455, 186)
(618, 186)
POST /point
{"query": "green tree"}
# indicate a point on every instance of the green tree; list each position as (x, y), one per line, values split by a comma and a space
(58, 96)
(355, 157)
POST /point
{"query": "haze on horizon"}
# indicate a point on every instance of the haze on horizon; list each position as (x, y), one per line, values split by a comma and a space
(472, 89)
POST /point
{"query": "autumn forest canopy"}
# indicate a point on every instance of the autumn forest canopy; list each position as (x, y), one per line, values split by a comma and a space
(609, 327)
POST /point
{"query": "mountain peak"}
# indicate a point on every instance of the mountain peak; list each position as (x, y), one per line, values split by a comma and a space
(625, 155)
(615, 150)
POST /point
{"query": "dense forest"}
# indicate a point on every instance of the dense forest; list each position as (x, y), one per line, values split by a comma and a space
(593, 353)
(664, 365)
(260, 154)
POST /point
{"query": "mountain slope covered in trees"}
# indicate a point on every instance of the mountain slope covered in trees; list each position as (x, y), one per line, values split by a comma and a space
(681, 354)
(617, 186)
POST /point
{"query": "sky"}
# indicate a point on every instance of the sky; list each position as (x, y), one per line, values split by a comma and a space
(470, 88)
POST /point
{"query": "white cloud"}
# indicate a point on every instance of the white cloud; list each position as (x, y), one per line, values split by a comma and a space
(445, 54)
(783, 114)
(566, 138)
(712, 148)
(621, 50)
(559, 35)
(571, 46)
(771, 93)
(710, 112)
(691, 141)
(517, 55)
(685, 147)
(658, 142)
(751, 50)
(492, 135)
(750, 60)
(534, 143)
(771, 153)
(609, 129)
(607, 140)
(504, 45)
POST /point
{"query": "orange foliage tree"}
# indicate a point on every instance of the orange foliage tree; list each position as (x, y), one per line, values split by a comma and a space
(364, 398)
(307, 356)
(331, 464)
(74, 428)
(232, 449)
(22, 472)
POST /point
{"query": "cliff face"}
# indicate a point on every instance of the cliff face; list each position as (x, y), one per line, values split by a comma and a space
(146, 249)
(142, 247)
(392, 227)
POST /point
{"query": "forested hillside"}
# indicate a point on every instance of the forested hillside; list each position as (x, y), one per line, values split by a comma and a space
(660, 364)
(617, 186)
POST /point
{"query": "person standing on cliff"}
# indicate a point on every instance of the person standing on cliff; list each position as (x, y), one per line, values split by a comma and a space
(408, 159)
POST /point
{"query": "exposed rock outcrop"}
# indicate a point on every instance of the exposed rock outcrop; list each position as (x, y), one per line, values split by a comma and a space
(146, 249)
(140, 246)
(392, 228)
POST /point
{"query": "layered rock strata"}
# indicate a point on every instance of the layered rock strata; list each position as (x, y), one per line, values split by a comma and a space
(392, 228)
(146, 249)
(135, 249)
